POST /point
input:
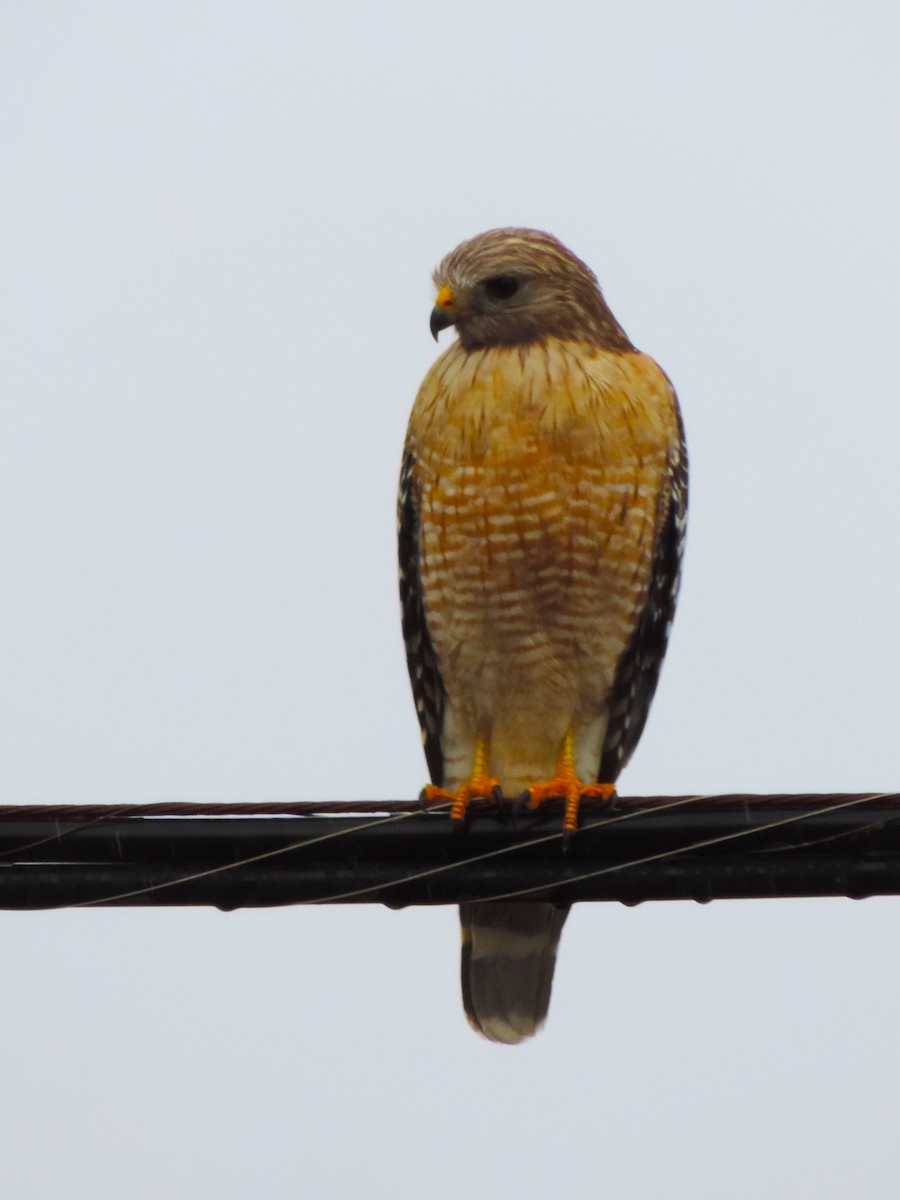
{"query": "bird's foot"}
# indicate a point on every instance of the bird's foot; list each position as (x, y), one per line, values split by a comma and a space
(566, 785)
(479, 787)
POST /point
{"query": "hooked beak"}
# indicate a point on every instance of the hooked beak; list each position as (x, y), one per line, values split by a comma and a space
(442, 315)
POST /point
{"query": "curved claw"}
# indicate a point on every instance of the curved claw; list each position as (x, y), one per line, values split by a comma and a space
(522, 802)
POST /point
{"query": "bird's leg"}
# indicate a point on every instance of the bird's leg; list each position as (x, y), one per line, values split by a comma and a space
(566, 784)
(481, 784)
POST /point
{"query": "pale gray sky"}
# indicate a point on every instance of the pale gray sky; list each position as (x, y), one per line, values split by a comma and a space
(218, 223)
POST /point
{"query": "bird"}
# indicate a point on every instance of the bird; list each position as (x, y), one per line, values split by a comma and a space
(541, 515)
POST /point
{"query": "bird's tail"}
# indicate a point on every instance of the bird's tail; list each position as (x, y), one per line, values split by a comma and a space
(508, 955)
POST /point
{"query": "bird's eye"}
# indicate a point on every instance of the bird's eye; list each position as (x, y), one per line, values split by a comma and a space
(501, 287)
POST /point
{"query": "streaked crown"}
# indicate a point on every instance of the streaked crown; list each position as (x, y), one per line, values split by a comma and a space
(517, 286)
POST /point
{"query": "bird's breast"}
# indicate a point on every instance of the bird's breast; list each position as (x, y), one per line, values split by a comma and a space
(538, 471)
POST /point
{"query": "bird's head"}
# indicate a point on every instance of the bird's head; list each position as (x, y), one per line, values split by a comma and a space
(511, 287)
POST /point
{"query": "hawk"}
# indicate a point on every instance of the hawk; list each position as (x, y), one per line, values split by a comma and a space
(542, 506)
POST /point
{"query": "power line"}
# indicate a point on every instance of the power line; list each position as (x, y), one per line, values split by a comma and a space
(397, 853)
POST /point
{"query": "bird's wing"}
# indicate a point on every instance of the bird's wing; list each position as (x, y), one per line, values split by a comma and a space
(424, 674)
(638, 670)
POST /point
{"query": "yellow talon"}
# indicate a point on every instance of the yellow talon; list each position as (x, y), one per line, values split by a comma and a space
(481, 785)
(566, 785)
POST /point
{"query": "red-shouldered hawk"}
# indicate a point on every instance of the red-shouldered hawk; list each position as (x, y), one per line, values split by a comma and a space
(542, 511)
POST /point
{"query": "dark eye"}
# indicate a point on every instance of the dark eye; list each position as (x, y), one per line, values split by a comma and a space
(501, 287)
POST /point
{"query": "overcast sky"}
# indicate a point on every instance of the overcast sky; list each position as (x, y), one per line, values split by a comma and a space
(217, 227)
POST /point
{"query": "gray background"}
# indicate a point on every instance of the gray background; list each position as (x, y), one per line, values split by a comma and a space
(218, 222)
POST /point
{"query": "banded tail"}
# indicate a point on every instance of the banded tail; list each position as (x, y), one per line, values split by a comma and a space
(508, 956)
